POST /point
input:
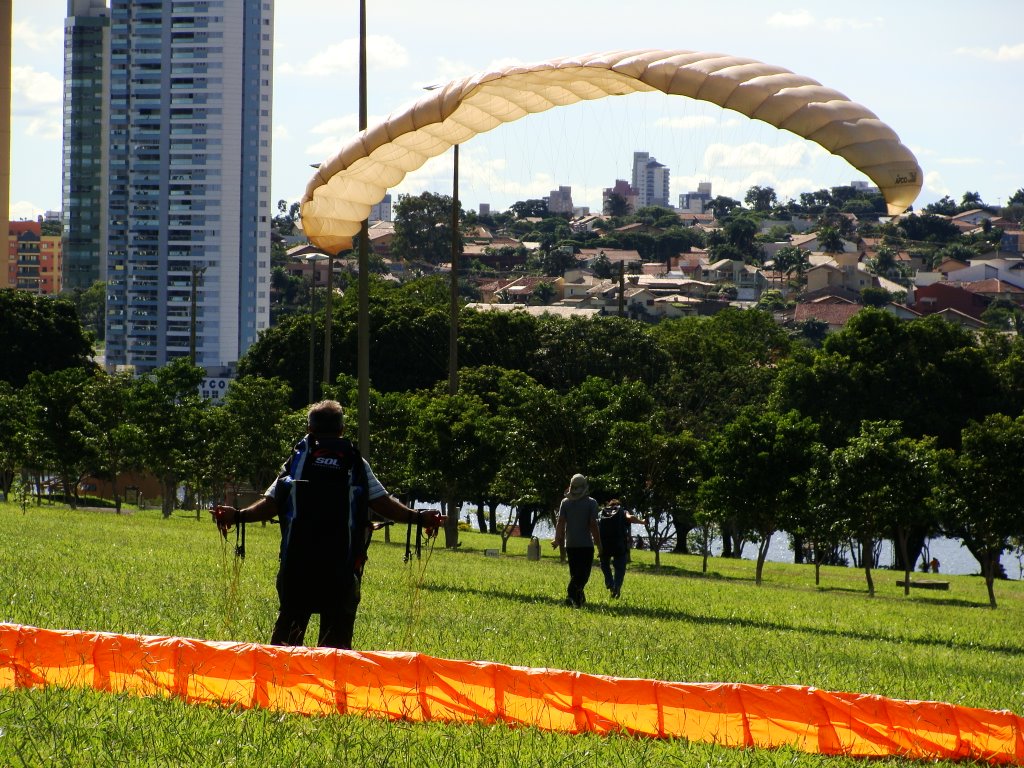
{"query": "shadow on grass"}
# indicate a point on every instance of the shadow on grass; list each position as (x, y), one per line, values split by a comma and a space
(676, 615)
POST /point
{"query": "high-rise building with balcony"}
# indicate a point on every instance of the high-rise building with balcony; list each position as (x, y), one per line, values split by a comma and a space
(650, 181)
(188, 180)
(86, 128)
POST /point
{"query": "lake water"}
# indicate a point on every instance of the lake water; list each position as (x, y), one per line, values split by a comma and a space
(953, 557)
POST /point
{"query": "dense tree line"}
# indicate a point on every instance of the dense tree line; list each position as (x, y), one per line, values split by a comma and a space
(723, 426)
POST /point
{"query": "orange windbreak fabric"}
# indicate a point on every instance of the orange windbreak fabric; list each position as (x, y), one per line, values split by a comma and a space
(416, 687)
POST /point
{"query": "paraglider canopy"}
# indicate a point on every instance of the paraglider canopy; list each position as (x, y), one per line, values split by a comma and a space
(339, 197)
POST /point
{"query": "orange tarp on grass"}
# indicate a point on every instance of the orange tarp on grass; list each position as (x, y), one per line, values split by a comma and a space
(416, 687)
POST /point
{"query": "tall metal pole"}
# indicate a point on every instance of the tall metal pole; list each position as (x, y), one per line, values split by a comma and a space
(363, 330)
(453, 326)
(312, 332)
(328, 320)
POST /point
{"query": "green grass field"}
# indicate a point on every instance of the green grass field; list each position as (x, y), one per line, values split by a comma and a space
(137, 573)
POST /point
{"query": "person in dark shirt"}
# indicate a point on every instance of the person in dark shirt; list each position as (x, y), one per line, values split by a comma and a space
(322, 496)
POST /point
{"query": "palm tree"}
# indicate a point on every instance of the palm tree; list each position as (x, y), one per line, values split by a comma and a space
(830, 240)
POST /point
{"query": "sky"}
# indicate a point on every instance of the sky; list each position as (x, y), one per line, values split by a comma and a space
(946, 77)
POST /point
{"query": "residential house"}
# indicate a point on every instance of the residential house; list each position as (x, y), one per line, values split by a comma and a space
(1012, 241)
(536, 311)
(994, 288)
(747, 278)
(834, 311)
(934, 298)
(626, 257)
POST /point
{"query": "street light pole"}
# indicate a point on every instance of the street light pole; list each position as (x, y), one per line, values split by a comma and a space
(312, 329)
(328, 320)
(453, 326)
(363, 328)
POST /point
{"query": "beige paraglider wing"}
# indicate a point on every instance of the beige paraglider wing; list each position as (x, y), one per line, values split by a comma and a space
(346, 186)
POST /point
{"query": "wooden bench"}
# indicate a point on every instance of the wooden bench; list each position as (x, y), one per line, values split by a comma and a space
(924, 584)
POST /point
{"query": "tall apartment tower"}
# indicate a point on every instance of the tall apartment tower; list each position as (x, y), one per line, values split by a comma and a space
(86, 129)
(189, 181)
(650, 181)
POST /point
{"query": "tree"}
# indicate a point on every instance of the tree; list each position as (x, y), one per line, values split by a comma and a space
(654, 473)
(717, 365)
(875, 297)
(983, 502)
(544, 292)
(944, 207)
(761, 199)
(761, 463)
(451, 441)
(423, 228)
(40, 333)
(261, 426)
(109, 431)
(616, 205)
(55, 425)
(971, 200)
(14, 427)
(928, 373)
(529, 209)
(721, 206)
(91, 307)
(830, 240)
(170, 415)
(792, 258)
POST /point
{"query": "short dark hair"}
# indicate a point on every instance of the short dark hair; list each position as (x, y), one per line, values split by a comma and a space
(326, 418)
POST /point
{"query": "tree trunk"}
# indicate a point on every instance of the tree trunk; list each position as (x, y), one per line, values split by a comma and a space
(481, 517)
(901, 537)
(492, 518)
(451, 528)
(169, 487)
(866, 558)
(762, 553)
(705, 547)
(989, 569)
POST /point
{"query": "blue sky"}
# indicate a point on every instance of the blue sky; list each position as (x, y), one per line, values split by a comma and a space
(946, 77)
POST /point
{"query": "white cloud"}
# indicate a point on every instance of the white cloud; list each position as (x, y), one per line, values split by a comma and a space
(1002, 53)
(282, 132)
(688, 122)
(934, 183)
(48, 127)
(837, 24)
(757, 155)
(23, 209)
(35, 87)
(792, 20)
(25, 33)
(326, 147)
(346, 124)
(382, 53)
(960, 160)
(803, 19)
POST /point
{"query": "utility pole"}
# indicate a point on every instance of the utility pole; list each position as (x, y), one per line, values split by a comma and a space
(328, 319)
(363, 329)
(453, 326)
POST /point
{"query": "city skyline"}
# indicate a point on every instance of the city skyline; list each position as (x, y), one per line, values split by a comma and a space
(946, 88)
